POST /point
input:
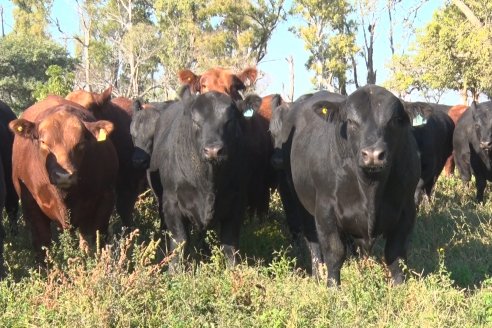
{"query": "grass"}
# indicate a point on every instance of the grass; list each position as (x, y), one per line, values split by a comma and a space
(126, 284)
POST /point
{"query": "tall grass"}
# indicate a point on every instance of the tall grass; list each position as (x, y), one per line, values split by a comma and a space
(126, 284)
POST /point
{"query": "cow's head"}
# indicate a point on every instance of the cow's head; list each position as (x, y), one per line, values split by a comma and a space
(482, 118)
(279, 133)
(373, 121)
(281, 127)
(142, 130)
(217, 123)
(61, 139)
(90, 100)
(219, 80)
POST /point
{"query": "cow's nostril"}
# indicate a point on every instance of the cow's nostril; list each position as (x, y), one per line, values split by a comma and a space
(213, 152)
(381, 156)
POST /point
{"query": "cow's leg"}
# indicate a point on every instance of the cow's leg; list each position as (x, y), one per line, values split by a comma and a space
(418, 192)
(293, 221)
(481, 183)
(230, 226)
(178, 230)
(39, 223)
(100, 222)
(449, 166)
(12, 206)
(334, 251)
(125, 203)
(397, 242)
(311, 235)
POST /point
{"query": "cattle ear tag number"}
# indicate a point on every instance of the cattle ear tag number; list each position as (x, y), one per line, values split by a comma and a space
(102, 135)
(248, 112)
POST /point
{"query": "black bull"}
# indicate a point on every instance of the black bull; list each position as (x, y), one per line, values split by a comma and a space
(354, 168)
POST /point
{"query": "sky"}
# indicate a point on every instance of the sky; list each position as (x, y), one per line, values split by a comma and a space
(283, 44)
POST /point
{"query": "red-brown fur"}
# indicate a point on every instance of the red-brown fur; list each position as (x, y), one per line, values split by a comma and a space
(119, 112)
(220, 80)
(86, 203)
(455, 113)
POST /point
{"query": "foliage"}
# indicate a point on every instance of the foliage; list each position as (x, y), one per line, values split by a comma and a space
(329, 36)
(60, 82)
(24, 61)
(32, 17)
(450, 54)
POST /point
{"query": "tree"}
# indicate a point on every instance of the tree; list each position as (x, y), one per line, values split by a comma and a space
(60, 82)
(225, 33)
(31, 17)
(450, 53)
(329, 36)
(24, 61)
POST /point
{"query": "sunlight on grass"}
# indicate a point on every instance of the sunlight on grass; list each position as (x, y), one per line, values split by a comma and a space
(126, 284)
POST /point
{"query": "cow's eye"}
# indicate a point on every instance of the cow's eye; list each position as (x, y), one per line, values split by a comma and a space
(398, 120)
(80, 146)
(43, 144)
(352, 124)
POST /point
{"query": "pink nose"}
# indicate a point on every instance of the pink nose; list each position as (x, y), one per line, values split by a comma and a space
(373, 156)
(212, 152)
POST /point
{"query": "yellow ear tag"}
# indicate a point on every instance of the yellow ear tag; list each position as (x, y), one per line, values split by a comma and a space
(102, 135)
(189, 79)
(20, 128)
(324, 111)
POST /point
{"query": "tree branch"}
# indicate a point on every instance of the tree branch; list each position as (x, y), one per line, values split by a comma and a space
(468, 13)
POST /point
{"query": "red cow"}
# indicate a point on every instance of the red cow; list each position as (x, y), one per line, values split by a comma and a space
(119, 112)
(455, 113)
(220, 80)
(64, 169)
(259, 139)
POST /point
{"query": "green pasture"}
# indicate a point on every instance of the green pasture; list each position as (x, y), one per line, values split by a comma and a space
(126, 284)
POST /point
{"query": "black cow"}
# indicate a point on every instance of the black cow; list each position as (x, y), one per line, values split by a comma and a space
(142, 129)
(7, 140)
(3, 193)
(355, 167)
(472, 142)
(203, 167)
(285, 120)
(435, 143)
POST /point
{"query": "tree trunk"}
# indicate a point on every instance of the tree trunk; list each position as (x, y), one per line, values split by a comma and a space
(464, 96)
(290, 95)
(371, 75)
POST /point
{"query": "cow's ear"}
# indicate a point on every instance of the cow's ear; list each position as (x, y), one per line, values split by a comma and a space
(326, 109)
(249, 105)
(249, 74)
(474, 110)
(276, 101)
(105, 96)
(187, 77)
(100, 129)
(24, 128)
(137, 105)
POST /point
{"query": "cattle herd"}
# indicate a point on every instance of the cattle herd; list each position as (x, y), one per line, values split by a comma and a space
(348, 168)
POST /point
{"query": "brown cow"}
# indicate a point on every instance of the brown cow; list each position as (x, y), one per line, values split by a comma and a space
(220, 80)
(64, 169)
(455, 113)
(119, 112)
(259, 139)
